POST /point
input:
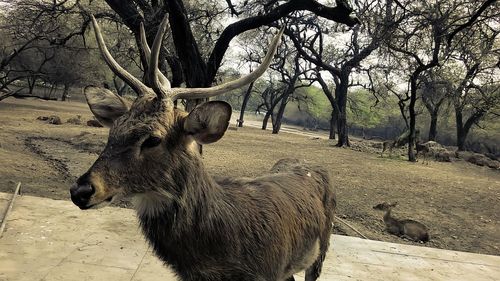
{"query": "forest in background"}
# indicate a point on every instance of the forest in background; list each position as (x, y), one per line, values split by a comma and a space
(373, 68)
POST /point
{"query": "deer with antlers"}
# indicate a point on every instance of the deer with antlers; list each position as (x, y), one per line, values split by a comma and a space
(265, 228)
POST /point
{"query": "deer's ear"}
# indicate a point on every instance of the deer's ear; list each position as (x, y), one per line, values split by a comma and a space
(208, 122)
(106, 105)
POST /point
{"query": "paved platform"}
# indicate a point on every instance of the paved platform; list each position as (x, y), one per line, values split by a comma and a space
(52, 240)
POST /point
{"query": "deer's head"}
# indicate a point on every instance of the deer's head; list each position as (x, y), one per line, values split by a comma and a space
(385, 206)
(149, 138)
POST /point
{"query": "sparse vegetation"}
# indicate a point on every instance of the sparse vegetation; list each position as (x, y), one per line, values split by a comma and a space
(447, 197)
(398, 72)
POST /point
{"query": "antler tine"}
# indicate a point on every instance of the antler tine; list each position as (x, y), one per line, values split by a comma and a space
(128, 78)
(153, 71)
(147, 54)
(192, 93)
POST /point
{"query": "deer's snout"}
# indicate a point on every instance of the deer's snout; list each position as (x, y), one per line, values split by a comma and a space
(80, 194)
(82, 191)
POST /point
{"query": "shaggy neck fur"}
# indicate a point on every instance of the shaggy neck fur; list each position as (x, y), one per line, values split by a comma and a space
(174, 222)
(387, 216)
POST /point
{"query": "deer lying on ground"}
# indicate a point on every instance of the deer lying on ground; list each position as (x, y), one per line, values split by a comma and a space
(266, 228)
(409, 229)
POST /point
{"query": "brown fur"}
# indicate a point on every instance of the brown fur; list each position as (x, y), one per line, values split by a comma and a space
(410, 229)
(388, 145)
(424, 150)
(266, 228)
(263, 229)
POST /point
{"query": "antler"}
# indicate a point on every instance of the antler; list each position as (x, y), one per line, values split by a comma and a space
(128, 78)
(192, 93)
(159, 83)
(165, 84)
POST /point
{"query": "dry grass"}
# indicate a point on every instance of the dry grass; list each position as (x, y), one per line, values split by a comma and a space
(459, 202)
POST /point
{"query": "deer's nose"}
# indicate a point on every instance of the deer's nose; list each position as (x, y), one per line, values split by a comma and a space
(81, 192)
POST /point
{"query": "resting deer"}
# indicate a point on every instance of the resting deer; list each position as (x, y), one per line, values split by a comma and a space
(410, 229)
(266, 228)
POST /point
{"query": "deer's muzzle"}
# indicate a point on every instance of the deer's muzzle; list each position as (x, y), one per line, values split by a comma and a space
(81, 194)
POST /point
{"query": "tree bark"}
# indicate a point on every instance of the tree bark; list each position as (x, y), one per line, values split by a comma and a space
(461, 135)
(333, 124)
(433, 126)
(284, 101)
(413, 118)
(31, 84)
(65, 92)
(464, 129)
(341, 98)
(266, 119)
(279, 115)
(244, 104)
(333, 103)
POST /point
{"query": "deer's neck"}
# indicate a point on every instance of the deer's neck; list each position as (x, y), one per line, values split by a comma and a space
(387, 216)
(183, 189)
(175, 219)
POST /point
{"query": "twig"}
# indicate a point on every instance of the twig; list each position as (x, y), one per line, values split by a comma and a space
(9, 208)
(351, 227)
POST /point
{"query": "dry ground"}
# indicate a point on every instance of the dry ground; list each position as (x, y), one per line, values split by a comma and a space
(459, 202)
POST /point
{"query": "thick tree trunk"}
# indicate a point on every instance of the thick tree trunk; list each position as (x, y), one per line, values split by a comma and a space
(244, 104)
(343, 138)
(333, 124)
(284, 101)
(413, 119)
(333, 103)
(266, 119)
(341, 98)
(460, 132)
(433, 126)
(31, 85)
(65, 92)
(461, 137)
(279, 115)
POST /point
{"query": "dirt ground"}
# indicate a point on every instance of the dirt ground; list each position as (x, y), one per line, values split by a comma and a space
(458, 201)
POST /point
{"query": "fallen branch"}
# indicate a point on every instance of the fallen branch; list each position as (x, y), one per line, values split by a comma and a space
(351, 227)
(9, 208)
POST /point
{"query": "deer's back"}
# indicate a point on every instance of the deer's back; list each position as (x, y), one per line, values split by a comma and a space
(415, 230)
(279, 217)
(264, 228)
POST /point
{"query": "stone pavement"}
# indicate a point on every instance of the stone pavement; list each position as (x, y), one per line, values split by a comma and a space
(52, 240)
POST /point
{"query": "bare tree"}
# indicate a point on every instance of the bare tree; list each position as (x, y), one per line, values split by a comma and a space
(309, 38)
(36, 33)
(434, 92)
(419, 42)
(475, 90)
(270, 98)
(199, 69)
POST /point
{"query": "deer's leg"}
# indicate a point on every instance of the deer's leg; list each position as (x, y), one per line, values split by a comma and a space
(313, 272)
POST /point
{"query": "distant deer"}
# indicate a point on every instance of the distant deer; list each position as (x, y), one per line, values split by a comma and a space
(400, 141)
(424, 150)
(410, 229)
(388, 145)
(266, 228)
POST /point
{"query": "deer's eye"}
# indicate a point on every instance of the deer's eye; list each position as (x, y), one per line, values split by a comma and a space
(152, 141)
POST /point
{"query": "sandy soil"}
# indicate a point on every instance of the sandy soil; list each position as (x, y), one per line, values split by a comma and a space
(459, 202)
